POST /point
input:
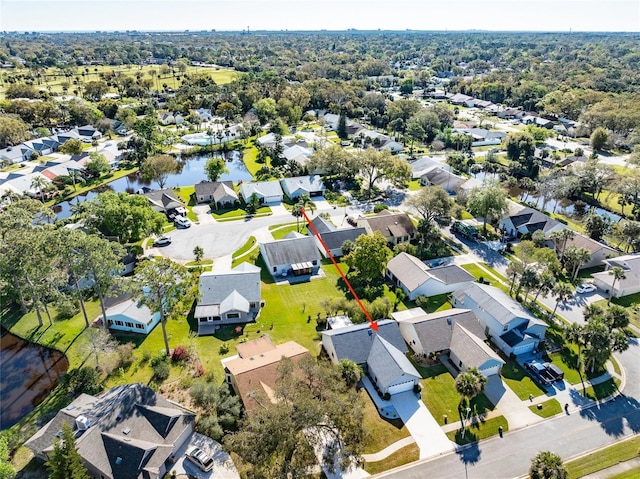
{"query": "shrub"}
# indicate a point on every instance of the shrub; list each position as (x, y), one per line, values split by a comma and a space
(179, 353)
(200, 370)
(125, 355)
(379, 208)
(387, 396)
(84, 380)
(160, 368)
(417, 388)
(224, 348)
(146, 356)
(66, 308)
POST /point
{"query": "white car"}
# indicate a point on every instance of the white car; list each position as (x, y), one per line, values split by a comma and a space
(182, 222)
(162, 241)
(585, 288)
(200, 459)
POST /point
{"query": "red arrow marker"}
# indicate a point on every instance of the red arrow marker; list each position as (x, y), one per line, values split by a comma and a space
(372, 324)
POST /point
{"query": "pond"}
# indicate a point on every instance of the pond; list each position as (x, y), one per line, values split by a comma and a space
(192, 172)
(28, 373)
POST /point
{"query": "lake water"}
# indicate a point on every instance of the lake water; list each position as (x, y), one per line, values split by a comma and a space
(192, 172)
(28, 373)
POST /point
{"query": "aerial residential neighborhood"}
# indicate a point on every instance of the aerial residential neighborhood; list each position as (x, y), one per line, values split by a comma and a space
(325, 254)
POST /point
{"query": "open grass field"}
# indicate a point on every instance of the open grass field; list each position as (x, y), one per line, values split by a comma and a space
(53, 79)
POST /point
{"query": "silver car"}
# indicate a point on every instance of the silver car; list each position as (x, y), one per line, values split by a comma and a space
(200, 459)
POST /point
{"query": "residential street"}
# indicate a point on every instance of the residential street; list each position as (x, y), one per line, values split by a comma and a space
(568, 436)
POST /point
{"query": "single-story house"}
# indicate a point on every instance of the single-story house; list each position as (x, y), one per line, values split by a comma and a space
(220, 193)
(295, 187)
(437, 176)
(460, 99)
(354, 342)
(53, 170)
(253, 372)
(599, 252)
(522, 220)
(511, 327)
(204, 114)
(389, 369)
(171, 118)
(294, 254)
(165, 201)
(332, 237)
(268, 192)
(425, 163)
(454, 331)
(128, 314)
(630, 263)
(395, 227)
(417, 279)
(299, 153)
(228, 297)
(88, 132)
(129, 432)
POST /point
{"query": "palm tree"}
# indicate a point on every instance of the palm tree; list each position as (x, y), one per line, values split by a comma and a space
(618, 274)
(574, 333)
(562, 292)
(76, 176)
(469, 384)
(39, 183)
(560, 239)
(547, 465)
(546, 281)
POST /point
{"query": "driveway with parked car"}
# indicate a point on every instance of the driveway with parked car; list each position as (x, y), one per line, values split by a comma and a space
(221, 467)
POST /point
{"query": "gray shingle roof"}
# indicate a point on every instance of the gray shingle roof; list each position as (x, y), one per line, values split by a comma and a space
(413, 273)
(451, 274)
(299, 184)
(435, 330)
(389, 363)
(495, 302)
(163, 200)
(217, 189)
(152, 426)
(470, 349)
(261, 189)
(391, 224)
(533, 220)
(354, 342)
(229, 287)
(334, 239)
(291, 251)
(443, 178)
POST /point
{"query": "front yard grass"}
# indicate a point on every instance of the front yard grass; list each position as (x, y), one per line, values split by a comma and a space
(380, 432)
(479, 430)
(280, 231)
(609, 456)
(602, 390)
(238, 213)
(244, 248)
(399, 458)
(549, 408)
(518, 380)
(439, 395)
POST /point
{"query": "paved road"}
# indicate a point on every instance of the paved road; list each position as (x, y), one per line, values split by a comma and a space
(568, 436)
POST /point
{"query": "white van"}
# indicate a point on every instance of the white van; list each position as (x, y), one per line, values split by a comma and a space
(182, 222)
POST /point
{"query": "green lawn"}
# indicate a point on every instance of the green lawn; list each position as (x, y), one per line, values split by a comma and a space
(244, 248)
(186, 194)
(518, 380)
(603, 458)
(238, 213)
(478, 272)
(602, 390)
(549, 408)
(414, 185)
(402, 456)
(435, 303)
(441, 398)
(280, 231)
(380, 432)
(630, 474)
(478, 431)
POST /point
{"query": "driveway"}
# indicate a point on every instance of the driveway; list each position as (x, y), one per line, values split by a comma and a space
(428, 435)
(223, 468)
(509, 404)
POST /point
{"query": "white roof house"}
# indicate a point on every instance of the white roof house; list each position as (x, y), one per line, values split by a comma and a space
(300, 185)
(268, 192)
(630, 284)
(131, 316)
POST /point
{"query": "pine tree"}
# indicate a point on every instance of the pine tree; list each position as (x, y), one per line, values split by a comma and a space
(342, 127)
(65, 461)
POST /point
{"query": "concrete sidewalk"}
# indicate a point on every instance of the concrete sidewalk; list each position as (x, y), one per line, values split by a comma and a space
(509, 404)
(387, 451)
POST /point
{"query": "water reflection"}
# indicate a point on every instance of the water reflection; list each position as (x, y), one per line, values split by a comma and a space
(28, 373)
(191, 172)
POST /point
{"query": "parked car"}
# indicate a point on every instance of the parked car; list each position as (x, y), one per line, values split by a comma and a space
(539, 371)
(200, 459)
(182, 222)
(554, 371)
(164, 240)
(585, 288)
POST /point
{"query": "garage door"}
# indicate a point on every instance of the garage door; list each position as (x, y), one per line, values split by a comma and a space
(400, 388)
(523, 349)
(491, 370)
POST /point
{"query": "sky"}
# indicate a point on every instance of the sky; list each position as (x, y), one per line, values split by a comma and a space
(236, 15)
